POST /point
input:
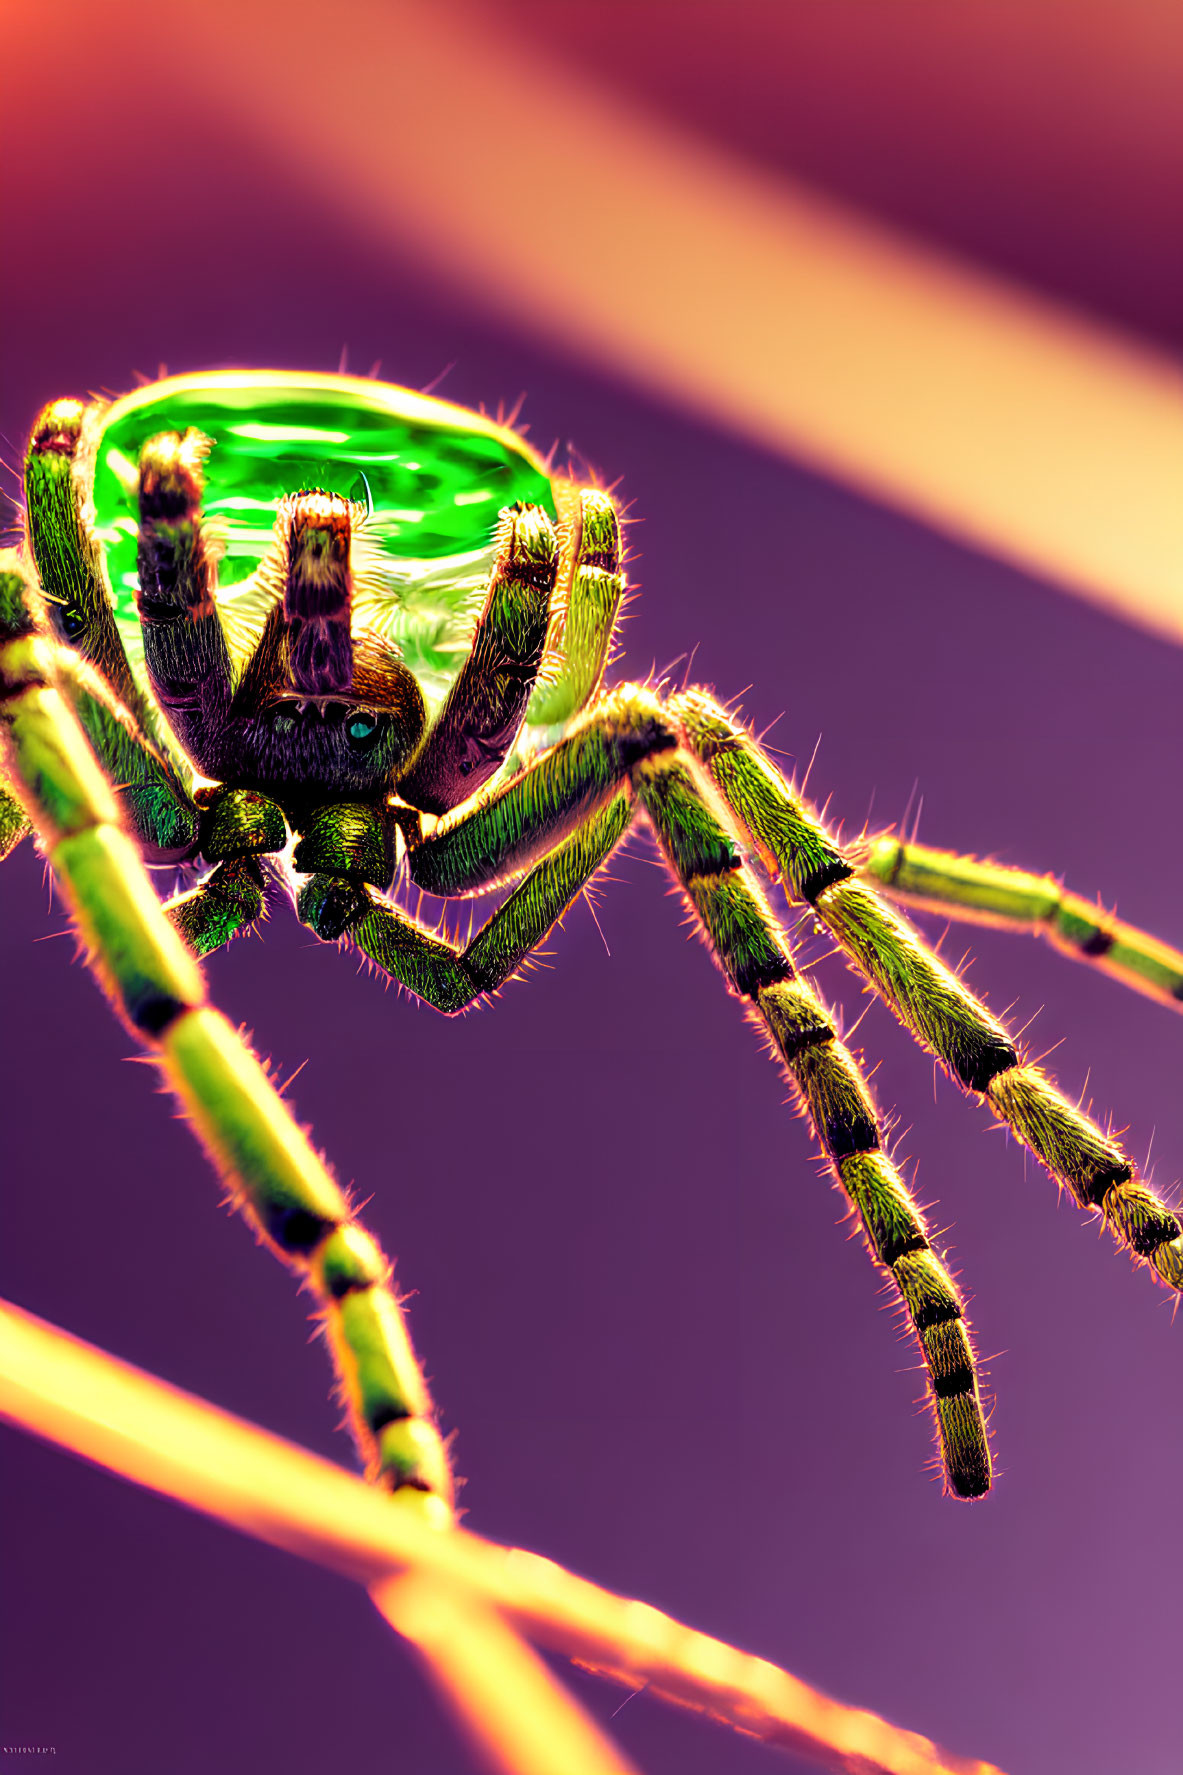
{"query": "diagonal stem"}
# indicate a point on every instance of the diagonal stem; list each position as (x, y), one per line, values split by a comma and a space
(113, 1414)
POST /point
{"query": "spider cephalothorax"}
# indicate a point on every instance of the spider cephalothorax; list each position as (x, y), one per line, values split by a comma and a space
(317, 712)
(347, 607)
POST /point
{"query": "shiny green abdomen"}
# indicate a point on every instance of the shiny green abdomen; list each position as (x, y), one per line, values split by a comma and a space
(434, 476)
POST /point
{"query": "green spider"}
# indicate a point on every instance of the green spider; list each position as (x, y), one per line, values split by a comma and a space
(322, 632)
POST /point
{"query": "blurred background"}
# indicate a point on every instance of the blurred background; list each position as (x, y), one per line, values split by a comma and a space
(871, 315)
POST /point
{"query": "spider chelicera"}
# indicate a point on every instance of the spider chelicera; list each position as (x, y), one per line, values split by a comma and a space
(320, 630)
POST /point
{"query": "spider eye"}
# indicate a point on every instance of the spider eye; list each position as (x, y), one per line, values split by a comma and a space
(362, 732)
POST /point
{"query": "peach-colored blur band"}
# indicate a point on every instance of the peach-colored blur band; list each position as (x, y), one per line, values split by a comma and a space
(447, 1591)
(1001, 418)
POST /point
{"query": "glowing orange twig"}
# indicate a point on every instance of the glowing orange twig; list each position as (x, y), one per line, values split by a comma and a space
(121, 1418)
(520, 1719)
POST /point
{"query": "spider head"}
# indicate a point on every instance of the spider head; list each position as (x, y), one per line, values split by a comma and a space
(307, 746)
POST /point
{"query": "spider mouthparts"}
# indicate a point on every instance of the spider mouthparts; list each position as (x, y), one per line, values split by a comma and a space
(329, 708)
(326, 708)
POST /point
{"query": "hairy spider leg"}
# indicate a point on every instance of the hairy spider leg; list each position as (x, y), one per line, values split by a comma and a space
(993, 894)
(753, 952)
(68, 562)
(185, 647)
(450, 976)
(567, 798)
(14, 825)
(318, 595)
(578, 652)
(156, 806)
(155, 985)
(189, 667)
(95, 675)
(973, 1047)
(483, 710)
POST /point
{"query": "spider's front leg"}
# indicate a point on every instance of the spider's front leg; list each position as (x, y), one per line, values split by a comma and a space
(157, 806)
(451, 976)
(185, 647)
(92, 667)
(188, 664)
(587, 617)
(156, 987)
(67, 557)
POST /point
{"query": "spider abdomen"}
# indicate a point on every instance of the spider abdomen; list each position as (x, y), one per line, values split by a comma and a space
(424, 481)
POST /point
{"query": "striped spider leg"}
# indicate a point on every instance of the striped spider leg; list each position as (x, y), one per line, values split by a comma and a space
(989, 893)
(155, 985)
(972, 1046)
(573, 805)
(695, 772)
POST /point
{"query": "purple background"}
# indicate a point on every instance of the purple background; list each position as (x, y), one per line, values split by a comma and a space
(666, 1363)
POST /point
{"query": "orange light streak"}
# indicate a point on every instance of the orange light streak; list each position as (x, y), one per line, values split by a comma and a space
(72, 1394)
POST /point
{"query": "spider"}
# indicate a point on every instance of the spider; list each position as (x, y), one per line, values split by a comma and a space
(326, 633)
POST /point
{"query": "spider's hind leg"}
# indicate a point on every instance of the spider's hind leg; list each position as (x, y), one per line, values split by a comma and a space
(973, 1047)
(991, 893)
(753, 954)
(568, 808)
